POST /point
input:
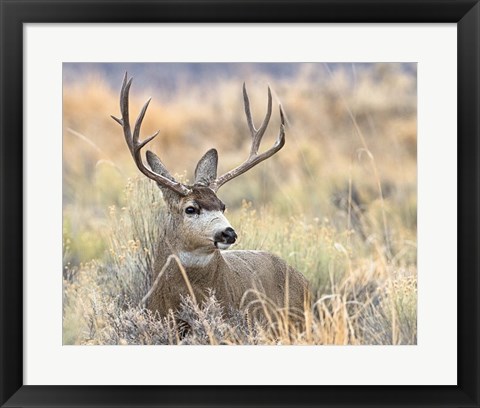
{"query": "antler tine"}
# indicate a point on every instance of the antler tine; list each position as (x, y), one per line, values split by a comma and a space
(257, 134)
(254, 158)
(135, 144)
(120, 121)
(138, 122)
(124, 103)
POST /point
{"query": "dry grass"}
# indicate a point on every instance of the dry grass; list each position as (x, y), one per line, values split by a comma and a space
(338, 203)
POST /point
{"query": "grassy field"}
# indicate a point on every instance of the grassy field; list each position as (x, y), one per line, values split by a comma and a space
(338, 202)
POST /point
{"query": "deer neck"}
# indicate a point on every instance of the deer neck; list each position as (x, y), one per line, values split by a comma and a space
(195, 261)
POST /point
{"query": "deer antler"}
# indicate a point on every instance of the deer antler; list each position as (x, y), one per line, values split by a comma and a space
(257, 134)
(135, 144)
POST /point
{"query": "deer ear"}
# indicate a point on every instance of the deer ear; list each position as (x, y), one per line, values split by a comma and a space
(206, 170)
(157, 166)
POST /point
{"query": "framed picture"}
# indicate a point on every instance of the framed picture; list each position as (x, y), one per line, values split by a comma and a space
(302, 230)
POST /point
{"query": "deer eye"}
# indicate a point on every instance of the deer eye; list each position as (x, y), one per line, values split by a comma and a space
(191, 210)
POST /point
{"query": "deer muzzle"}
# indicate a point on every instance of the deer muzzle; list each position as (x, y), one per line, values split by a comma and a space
(225, 238)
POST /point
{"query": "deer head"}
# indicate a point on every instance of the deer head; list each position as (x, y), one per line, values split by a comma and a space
(195, 211)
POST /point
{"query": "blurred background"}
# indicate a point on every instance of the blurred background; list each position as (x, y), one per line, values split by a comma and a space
(339, 197)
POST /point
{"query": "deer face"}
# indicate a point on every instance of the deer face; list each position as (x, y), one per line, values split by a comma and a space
(198, 217)
(201, 218)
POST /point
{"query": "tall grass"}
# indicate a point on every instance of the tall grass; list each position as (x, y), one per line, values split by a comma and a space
(356, 301)
(338, 203)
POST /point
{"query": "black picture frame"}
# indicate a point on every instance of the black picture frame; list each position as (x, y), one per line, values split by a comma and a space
(14, 13)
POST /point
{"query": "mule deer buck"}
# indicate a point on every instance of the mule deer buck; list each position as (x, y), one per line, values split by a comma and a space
(198, 234)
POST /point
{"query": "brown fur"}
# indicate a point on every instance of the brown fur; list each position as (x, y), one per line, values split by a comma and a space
(206, 199)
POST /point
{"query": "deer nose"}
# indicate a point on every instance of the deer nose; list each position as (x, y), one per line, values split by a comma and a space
(229, 235)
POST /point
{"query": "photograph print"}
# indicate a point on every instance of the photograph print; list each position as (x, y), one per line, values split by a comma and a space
(240, 204)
